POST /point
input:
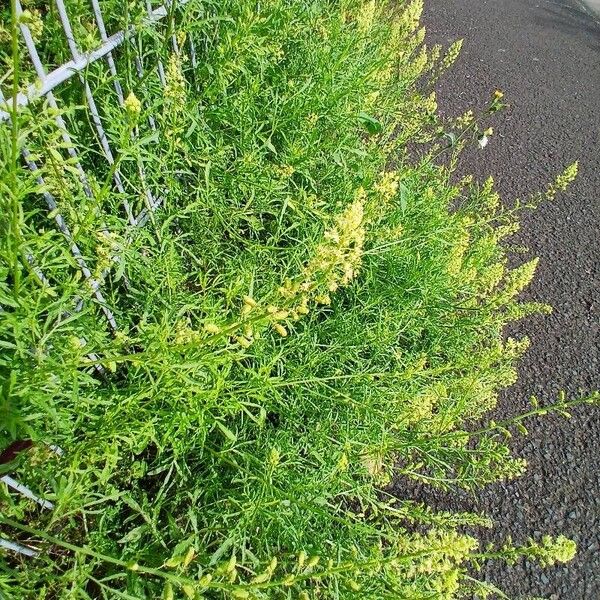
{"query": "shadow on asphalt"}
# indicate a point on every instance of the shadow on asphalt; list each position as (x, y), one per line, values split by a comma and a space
(572, 21)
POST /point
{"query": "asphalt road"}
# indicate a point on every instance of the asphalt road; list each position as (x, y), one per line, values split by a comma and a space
(545, 56)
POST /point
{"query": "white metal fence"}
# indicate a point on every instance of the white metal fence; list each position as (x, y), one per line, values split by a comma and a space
(45, 86)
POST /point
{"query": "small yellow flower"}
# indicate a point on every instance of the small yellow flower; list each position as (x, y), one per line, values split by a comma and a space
(244, 342)
(249, 301)
(212, 328)
(280, 329)
(274, 457)
(302, 556)
(323, 299)
(343, 463)
(303, 309)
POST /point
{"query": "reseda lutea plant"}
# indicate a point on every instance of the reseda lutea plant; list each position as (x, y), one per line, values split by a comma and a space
(311, 312)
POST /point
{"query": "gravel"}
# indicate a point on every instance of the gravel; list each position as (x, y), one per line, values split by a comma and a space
(545, 56)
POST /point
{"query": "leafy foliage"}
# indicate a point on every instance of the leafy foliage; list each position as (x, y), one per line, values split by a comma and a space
(315, 307)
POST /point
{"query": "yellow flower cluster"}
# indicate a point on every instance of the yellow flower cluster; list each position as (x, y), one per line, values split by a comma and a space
(516, 281)
(488, 197)
(465, 120)
(458, 251)
(410, 18)
(312, 119)
(184, 334)
(560, 549)
(422, 406)
(387, 187)
(451, 55)
(175, 88)
(284, 171)
(563, 181)
(132, 105)
(106, 249)
(338, 258)
(490, 278)
(336, 262)
(443, 552)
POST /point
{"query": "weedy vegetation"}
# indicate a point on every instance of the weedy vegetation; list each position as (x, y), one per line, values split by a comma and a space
(316, 308)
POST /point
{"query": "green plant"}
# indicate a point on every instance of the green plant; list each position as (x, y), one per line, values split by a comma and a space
(316, 307)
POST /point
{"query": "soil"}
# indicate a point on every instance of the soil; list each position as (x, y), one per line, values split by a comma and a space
(545, 57)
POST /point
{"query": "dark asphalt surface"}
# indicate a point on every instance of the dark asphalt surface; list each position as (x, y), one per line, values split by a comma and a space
(545, 56)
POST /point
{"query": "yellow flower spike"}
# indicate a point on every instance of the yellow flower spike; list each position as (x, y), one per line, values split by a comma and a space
(285, 171)
(272, 309)
(280, 329)
(498, 95)
(175, 88)
(567, 177)
(205, 579)
(302, 556)
(313, 561)
(289, 580)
